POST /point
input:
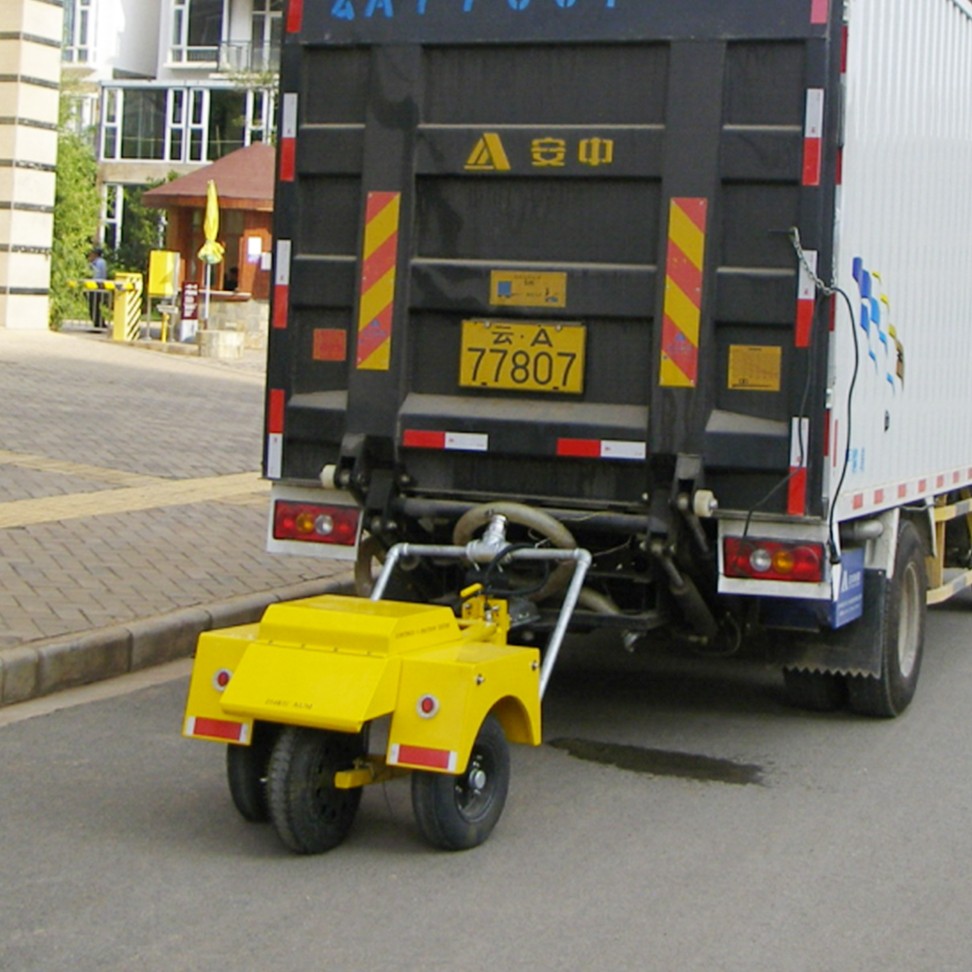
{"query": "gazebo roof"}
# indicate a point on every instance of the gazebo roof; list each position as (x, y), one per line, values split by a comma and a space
(244, 180)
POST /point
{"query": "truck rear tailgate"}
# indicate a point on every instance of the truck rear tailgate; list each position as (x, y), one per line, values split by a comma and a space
(534, 252)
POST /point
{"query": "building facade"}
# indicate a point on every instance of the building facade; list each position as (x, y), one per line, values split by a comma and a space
(30, 45)
(172, 85)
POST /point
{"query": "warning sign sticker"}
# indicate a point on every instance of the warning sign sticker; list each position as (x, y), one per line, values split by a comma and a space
(755, 368)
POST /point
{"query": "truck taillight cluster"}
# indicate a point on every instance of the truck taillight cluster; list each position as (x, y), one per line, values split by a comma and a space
(774, 560)
(316, 523)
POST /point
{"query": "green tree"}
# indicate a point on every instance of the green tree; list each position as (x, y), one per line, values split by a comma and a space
(77, 209)
(142, 230)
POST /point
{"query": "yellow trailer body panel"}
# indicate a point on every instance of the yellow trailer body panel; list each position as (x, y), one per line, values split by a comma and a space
(334, 662)
(218, 655)
(312, 688)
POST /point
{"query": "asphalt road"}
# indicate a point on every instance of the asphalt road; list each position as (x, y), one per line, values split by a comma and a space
(741, 835)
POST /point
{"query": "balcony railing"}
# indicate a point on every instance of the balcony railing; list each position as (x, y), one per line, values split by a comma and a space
(238, 57)
(203, 56)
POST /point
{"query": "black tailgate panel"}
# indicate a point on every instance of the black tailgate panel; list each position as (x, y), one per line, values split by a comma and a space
(549, 146)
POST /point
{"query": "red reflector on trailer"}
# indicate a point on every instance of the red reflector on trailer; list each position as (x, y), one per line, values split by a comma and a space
(217, 729)
(440, 759)
(316, 523)
(774, 560)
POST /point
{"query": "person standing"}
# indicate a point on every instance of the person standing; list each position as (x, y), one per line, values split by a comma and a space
(98, 270)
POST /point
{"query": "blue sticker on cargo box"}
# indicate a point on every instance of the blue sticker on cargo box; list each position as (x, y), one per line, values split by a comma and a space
(849, 605)
(511, 288)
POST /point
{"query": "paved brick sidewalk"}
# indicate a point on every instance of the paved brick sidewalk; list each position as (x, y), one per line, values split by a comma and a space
(132, 513)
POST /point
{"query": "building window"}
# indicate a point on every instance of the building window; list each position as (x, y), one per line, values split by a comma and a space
(267, 34)
(260, 52)
(77, 32)
(143, 124)
(227, 121)
(182, 124)
(197, 29)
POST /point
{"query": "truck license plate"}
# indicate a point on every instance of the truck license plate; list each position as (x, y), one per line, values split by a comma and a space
(535, 357)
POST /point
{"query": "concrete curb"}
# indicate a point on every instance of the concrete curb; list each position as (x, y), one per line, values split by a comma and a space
(43, 667)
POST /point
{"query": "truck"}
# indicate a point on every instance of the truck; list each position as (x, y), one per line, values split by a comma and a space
(677, 289)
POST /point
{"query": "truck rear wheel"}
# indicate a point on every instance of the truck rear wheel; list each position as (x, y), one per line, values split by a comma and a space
(902, 637)
(246, 772)
(310, 814)
(460, 812)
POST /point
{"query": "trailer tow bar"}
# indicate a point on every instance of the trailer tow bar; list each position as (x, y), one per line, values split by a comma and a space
(483, 551)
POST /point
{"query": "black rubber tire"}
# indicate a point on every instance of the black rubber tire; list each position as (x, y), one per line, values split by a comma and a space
(815, 691)
(460, 812)
(308, 812)
(246, 772)
(903, 637)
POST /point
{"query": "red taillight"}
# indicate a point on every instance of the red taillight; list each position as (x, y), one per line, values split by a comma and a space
(221, 679)
(316, 523)
(774, 560)
(428, 706)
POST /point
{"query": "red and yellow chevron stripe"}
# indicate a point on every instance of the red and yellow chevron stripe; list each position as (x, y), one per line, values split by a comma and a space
(683, 293)
(379, 258)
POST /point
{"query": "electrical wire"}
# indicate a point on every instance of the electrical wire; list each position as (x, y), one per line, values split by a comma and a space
(830, 290)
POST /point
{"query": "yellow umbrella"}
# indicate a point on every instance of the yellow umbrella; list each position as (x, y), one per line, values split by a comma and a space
(212, 250)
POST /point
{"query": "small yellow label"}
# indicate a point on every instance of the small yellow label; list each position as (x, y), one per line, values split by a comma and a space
(755, 368)
(508, 288)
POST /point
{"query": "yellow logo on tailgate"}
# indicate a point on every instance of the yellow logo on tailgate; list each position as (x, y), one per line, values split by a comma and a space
(488, 155)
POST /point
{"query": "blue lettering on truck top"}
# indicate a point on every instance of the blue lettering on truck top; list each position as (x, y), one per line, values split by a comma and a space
(350, 9)
(549, 21)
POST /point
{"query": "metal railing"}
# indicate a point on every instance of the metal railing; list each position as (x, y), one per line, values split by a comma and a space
(241, 56)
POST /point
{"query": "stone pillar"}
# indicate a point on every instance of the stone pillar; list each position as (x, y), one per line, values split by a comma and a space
(30, 71)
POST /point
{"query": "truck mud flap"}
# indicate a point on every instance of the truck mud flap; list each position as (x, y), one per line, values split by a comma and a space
(852, 650)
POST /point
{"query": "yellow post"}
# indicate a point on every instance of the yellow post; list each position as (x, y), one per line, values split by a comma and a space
(163, 282)
(128, 307)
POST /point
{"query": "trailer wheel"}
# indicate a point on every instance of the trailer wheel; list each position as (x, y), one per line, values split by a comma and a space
(460, 812)
(308, 812)
(903, 636)
(246, 772)
(814, 691)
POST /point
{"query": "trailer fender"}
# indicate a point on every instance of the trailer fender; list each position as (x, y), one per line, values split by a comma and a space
(446, 695)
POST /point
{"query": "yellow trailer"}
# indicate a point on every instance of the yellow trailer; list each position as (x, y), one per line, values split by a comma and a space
(297, 695)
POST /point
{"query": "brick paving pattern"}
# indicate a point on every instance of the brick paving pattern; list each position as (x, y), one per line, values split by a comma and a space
(113, 501)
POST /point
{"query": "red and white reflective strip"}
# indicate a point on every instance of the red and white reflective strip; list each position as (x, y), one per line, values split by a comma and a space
(436, 759)
(450, 441)
(295, 16)
(601, 449)
(813, 137)
(217, 729)
(881, 497)
(796, 503)
(288, 138)
(805, 300)
(281, 284)
(617, 449)
(276, 406)
(844, 39)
